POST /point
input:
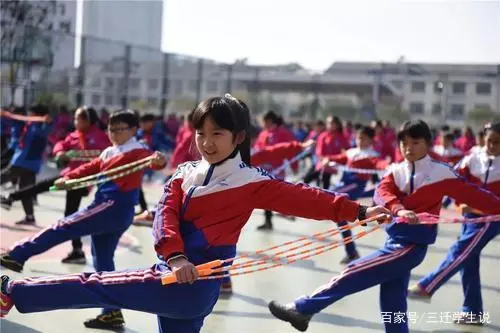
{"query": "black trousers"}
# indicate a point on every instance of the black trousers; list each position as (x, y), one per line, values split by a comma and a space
(6, 157)
(24, 177)
(142, 200)
(73, 199)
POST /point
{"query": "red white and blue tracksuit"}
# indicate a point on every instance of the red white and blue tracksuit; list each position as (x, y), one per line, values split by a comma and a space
(354, 184)
(105, 219)
(201, 214)
(464, 254)
(418, 186)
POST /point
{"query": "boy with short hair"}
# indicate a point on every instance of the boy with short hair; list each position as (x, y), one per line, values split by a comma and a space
(106, 218)
(416, 185)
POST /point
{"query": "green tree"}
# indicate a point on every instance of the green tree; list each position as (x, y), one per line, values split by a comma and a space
(343, 111)
(23, 25)
(393, 114)
(478, 117)
(52, 100)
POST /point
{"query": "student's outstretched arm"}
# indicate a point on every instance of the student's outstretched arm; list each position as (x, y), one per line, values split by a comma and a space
(167, 235)
(303, 201)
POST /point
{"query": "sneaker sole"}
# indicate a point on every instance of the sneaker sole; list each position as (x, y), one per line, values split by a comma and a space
(12, 267)
(75, 261)
(275, 311)
(419, 298)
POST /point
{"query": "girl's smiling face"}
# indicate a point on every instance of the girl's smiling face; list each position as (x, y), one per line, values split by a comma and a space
(215, 143)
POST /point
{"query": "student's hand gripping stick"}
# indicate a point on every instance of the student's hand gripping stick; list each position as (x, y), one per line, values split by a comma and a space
(203, 270)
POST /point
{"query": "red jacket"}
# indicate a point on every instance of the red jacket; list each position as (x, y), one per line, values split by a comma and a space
(329, 143)
(93, 139)
(271, 137)
(465, 143)
(275, 154)
(184, 149)
(420, 186)
(113, 157)
(360, 159)
(205, 206)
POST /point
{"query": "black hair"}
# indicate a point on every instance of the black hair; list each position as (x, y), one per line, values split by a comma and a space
(228, 113)
(320, 123)
(190, 116)
(494, 127)
(336, 120)
(449, 137)
(89, 114)
(445, 128)
(273, 117)
(368, 131)
(128, 117)
(39, 110)
(482, 133)
(19, 110)
(357, 126)
(415, 129)
(147, 117)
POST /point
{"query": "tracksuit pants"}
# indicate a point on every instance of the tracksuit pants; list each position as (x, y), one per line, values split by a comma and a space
(105, 221)
(388, 267)
(355, 188)
(181, 308)
(464, 256)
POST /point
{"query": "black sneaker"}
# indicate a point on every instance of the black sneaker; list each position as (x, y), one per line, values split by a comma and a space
(26, 221)
(75, 257)
(347, 259)
(7, 262)
(5, 202)
(268, 225)
(289, 314)
(110, 321)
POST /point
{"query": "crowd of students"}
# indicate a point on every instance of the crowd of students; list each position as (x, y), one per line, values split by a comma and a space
(198, 220)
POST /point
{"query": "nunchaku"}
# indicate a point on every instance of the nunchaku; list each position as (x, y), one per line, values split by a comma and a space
(105, 176)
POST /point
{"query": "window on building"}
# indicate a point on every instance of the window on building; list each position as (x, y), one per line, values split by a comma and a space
(193, 85)
(109, 83)
(109, 100)
(436, 109)
(398, 84)
(95, 82)
(483, 88)
(65, 26)
(457, 111)
(62, 9)
(152, 84)
(458, 88)
(134, 83)
(177, 87)
(49, 26)
(211, 86)
(417, 108)
(96, 100)
(418, 86)
(438, 87)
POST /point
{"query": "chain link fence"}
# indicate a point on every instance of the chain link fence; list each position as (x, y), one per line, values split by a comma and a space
(115, 75)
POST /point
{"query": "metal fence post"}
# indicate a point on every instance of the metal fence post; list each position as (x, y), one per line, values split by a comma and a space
(126, 76)
(165, 85)
(199, 81)
(80, 79)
